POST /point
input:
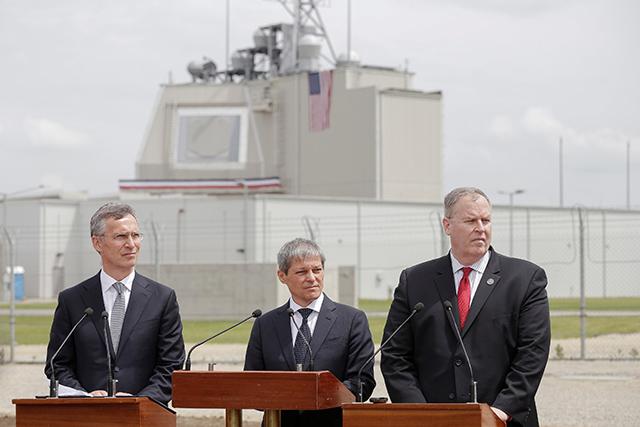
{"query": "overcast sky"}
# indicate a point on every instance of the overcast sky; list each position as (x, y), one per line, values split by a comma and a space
(79, 79)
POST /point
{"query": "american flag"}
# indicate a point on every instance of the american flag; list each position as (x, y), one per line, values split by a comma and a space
(320, 100)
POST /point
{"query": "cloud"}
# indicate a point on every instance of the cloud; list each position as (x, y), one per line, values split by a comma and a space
(539, 120)
(501, 126)
(45, 132)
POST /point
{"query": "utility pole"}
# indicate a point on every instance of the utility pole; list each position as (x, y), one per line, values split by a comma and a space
(560, 163)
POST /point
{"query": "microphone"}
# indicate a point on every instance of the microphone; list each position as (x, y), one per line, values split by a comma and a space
(111, 383)
(416, 308)
(187, 364)
(291, 313)
(452, 321)
(53, 384)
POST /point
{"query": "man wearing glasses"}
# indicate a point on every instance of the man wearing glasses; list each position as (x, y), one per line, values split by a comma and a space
(145, 331)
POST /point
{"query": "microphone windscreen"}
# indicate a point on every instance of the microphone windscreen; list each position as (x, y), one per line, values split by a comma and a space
(447, 305)
(290, 311)
(257, 312)
(419, 306)
(88, 311)
(105, 314)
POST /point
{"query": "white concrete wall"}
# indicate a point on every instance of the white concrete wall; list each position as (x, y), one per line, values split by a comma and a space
(378, 239)
(411, 147)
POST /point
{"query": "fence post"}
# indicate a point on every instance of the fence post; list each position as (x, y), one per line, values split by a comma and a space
(583, 304)
(156, 254)
(358, 253)
(12, 294)
(604, 254)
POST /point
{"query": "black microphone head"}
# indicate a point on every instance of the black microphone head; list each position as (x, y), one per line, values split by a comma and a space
(290, 311)
(447, 305)
(88, 311)
(105, 315)
(419, 306)
(256, 313)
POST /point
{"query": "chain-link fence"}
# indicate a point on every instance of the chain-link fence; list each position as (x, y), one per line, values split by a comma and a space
(591, 256)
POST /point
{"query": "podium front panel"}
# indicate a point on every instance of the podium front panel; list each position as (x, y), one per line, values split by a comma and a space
(419, 415)
(258, 390)
(107, 412)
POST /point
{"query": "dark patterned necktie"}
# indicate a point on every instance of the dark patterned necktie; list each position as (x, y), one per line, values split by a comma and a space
(464, 295)
(117, 316)
(300, 349)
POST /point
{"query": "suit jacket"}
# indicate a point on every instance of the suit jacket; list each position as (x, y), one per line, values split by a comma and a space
(506, 334)
(150, 349)
(341, 343)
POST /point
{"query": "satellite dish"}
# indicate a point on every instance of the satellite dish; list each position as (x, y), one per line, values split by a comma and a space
(309, 47)
(204, 70)
(353, 59)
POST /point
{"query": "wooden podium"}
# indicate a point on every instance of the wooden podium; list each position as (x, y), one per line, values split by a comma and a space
(272, 391)
(419, 414)
(93, 411)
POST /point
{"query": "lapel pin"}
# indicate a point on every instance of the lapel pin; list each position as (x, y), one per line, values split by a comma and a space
(490, 281)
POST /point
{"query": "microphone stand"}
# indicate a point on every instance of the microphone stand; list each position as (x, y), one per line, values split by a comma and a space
(454, 326)
(111, 382)
(53, 383)
(187, 364)
(419, 306)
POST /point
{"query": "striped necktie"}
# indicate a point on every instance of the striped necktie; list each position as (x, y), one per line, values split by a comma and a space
(117, 316)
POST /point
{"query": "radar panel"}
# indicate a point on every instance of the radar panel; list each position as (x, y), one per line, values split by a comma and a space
(214, 137)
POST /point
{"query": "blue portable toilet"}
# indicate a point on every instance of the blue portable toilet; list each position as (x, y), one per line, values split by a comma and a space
(18, 282)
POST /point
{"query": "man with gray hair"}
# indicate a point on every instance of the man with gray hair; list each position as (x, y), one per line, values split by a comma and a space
(498, 303)
(145, 338)
(311, 332)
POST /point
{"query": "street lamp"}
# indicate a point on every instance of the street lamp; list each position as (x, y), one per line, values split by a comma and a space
(511, 194)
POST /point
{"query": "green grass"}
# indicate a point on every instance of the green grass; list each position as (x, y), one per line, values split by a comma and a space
(198, 330)
(35, 329)
(374, 305)
(569, 327)
(607, 304)
(32, 305)
(29, 329)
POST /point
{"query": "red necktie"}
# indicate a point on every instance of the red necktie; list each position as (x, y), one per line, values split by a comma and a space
(464, 295)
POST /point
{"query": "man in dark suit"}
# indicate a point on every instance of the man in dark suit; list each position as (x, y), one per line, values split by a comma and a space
(338, 334)
(146, 332)
(500, 306)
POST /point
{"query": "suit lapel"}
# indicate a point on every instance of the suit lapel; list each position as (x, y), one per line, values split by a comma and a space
(92, 297)
(326, 319)
(487, 284)
(140, 296)
(283, 331)
(446, 284)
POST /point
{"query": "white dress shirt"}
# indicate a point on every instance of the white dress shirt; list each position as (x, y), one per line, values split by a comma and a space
(109, 293)
(474, 277)
(311, 320)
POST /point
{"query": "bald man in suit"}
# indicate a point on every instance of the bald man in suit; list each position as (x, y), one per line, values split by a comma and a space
(498, 303)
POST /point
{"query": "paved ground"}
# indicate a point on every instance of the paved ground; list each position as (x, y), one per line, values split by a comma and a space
(573, 393)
